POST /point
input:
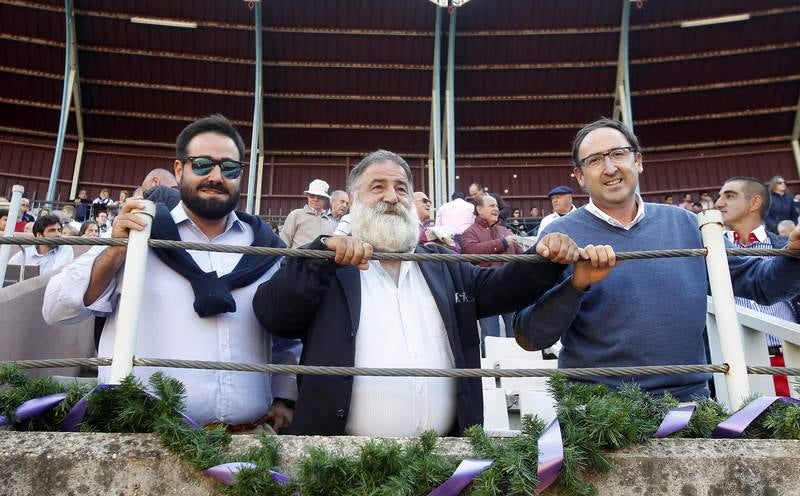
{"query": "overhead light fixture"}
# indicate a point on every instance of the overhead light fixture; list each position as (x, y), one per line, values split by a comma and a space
(449, 3)
(164, 22)
(715, 20)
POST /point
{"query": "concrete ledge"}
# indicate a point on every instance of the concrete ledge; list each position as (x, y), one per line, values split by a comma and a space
(89, 464)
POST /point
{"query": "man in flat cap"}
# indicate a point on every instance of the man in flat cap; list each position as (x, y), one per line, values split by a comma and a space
(561, 198)
(304, 225)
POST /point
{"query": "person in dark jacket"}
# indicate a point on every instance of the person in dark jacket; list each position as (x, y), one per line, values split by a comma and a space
(781, 206)
(392, 314)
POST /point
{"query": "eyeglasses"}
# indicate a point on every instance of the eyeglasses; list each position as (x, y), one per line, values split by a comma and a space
(202, 166)
(617, 156)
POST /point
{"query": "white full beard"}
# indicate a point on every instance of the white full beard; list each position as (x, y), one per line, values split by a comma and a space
(388, 228)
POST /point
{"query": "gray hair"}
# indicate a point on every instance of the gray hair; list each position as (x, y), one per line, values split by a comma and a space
(375, 157)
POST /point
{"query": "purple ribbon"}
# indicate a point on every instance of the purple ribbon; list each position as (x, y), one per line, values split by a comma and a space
(551, 456)
(467, 470)
(735, 425)
(72, 422)
(675, 420)
(34, 407)
(226, 473)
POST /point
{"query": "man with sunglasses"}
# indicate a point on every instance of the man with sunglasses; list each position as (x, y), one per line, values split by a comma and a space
(196, 305)
(644, 312)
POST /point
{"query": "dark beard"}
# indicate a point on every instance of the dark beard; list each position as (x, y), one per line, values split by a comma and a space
(211, 208)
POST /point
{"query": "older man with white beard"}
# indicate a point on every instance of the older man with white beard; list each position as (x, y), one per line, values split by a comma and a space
(393, 314)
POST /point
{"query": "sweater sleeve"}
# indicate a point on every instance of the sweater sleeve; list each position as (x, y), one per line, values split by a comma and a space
(765, 280)
(540, 325)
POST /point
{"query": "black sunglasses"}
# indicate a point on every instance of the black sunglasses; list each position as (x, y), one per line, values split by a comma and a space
(202, 166)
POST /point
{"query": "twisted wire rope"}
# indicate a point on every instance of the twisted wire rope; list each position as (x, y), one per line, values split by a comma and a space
(434, 257)
(403, 372)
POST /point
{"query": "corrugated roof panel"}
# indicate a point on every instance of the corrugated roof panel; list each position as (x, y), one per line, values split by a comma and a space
(230, 12)
(535, 81)
(522, 142)
(716, 130)
(757, 31)
(347, 112)
(535, 14)
(716, 69)
(659, 11)
(717, 101)
(22, 21)
(348, 48)
(31, 88)
(536, 49)
(346, 140)
(530, 112)
(347, 81)
(359, 14)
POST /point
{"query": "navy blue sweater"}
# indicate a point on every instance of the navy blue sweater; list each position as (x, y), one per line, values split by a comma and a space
(646, 312)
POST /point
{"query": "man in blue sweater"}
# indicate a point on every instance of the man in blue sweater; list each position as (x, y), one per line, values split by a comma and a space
(647, 312)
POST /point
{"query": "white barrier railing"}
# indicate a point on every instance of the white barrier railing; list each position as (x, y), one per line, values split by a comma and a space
(754, 329)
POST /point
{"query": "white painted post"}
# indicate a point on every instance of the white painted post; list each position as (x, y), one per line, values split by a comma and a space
(130, 303)
(730, 334)
(13, 210)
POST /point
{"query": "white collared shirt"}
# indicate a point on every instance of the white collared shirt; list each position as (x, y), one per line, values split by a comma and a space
(550, 218)
(594, 210)
(170, 328)
(51, 260)
(400, 326)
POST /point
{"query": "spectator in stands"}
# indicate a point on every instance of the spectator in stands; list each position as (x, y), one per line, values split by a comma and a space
(89, 229)
(103, 200)
(28, 229)
(781, 207)
(515, 223)
(123, 195)
(647, 312)
(303, 225)
(42, 213)
(457, 215)
(103, 224)
(561, 199)
(395, 314)
(796, 203)
(67, 230)
(82, 206)
(706, 202)
(160, 186)
(668, 200)
(424, 208)
(534, 212)
(785, 227)
(744, 203)
(197, 304)
(68, 218)
(24, 214)
(3, 220)
(697, 207)
(48, 258)
(686, 202)
(340, 204)
(477, 189)
(487, 236)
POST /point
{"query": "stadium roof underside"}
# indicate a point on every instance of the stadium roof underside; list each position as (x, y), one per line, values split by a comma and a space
(344, 77)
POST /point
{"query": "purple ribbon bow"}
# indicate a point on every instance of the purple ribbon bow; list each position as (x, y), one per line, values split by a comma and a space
(675, 420)
(736, 424)
(551, 456)
(465, 473)
(226, 473)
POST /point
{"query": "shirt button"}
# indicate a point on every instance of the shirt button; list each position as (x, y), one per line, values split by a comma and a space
(340, 413)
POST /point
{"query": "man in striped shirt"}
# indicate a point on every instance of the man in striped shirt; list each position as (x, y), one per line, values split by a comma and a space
(744, 202)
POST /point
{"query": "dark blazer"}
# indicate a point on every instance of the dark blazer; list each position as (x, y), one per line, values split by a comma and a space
(319, 302)
(781, 242)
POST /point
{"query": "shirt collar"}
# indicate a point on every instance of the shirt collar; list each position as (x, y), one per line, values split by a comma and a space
(180, 216)
(595, 210)
(309, 210)
(759, 235)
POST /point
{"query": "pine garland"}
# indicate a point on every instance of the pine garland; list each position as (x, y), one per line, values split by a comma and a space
(593, 418)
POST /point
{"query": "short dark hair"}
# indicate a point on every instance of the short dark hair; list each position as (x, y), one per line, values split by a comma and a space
(216, 123)
(44, 222)
(599, 124)
(754, 187)
(3, 212)
(457, 195)
(374, 157)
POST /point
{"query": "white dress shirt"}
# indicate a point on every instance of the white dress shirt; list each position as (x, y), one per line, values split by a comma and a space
(595, 210)
(51, 260)
(400, 326)
(458, 215)
(550, 218)
(170, 328)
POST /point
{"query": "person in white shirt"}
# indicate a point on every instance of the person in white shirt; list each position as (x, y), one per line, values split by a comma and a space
(48, 258)
(561, 199)
(197, 305)
(393, 314)
(68, 218)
